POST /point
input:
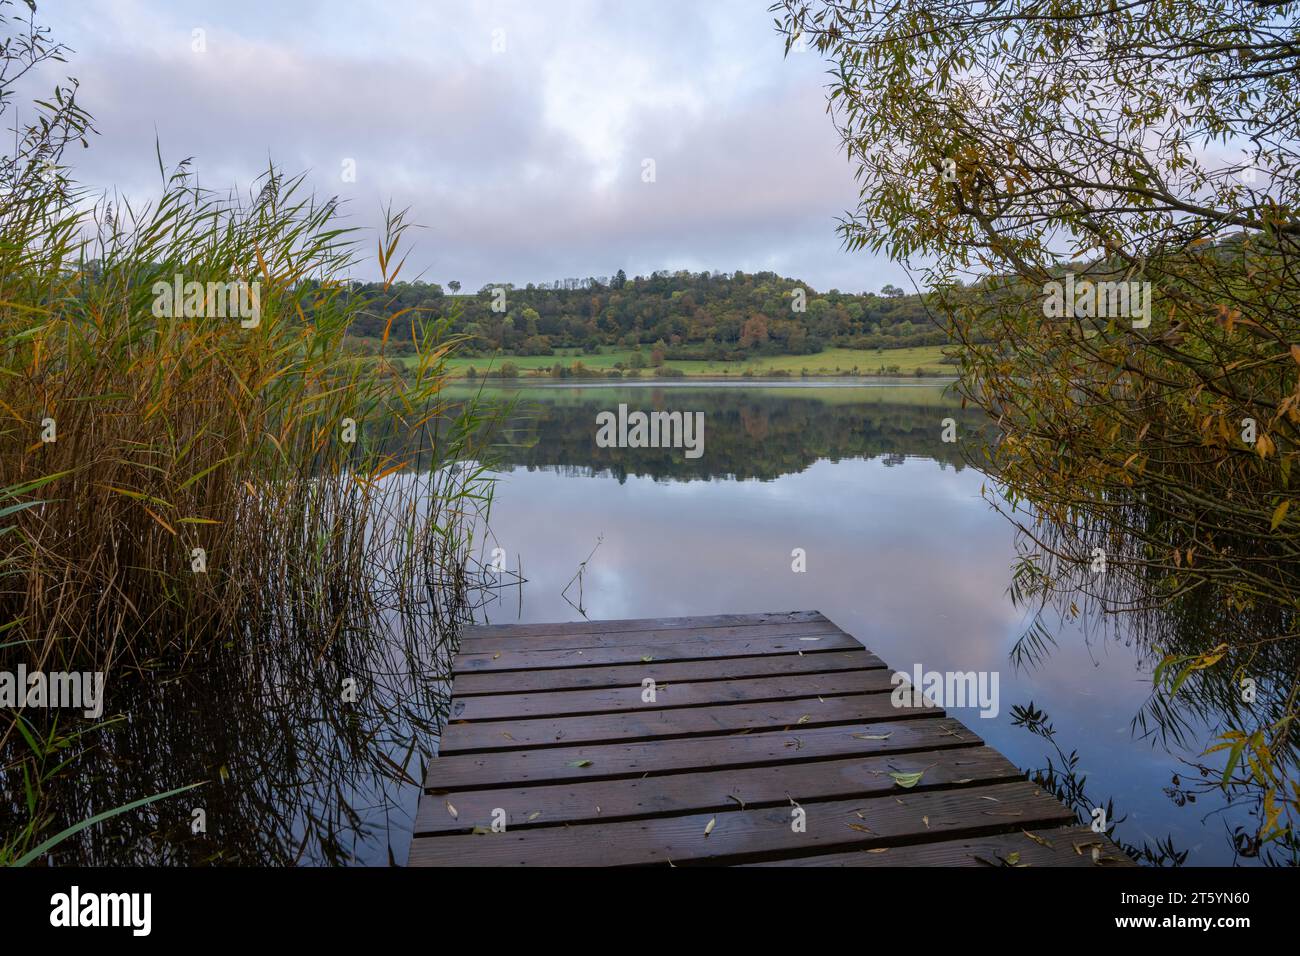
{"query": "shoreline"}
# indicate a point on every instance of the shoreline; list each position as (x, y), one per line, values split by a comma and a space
(874, 381)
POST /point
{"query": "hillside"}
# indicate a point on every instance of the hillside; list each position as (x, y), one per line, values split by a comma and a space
(679, 317)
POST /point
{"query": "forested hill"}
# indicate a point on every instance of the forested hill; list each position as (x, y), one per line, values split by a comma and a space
(685, 315)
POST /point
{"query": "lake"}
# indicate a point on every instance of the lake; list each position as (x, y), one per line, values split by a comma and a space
(901, 550)
(854, 484)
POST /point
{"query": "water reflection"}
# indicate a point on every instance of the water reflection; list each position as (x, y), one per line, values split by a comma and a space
(752, 432)
(901, 549)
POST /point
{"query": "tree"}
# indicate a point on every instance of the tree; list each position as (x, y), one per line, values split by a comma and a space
(454, 286)
(1031, 147)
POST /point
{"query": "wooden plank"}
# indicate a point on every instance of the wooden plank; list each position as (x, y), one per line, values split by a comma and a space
(713, 790)
(630, 654)
(703, 635)
(626, 675)
(755, 716)
(650, 723)
(1008, 849)
(612, 700)
(749, 835)
(643, 624)
(605, 761)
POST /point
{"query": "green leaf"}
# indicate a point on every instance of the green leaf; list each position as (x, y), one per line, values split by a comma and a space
(580, 763)
(107, 814)
(907, 780)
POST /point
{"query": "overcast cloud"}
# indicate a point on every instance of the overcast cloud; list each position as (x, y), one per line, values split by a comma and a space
(524, 165)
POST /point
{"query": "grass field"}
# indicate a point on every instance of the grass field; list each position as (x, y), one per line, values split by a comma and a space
(829, 362)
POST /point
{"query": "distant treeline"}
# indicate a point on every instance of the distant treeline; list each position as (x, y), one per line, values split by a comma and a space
(682, 315)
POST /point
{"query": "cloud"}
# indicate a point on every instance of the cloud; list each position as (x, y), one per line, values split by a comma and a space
(524, 160)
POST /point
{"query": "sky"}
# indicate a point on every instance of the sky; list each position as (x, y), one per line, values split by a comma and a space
(517, 133)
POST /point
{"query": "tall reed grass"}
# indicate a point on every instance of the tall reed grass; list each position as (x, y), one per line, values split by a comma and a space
(175, 485)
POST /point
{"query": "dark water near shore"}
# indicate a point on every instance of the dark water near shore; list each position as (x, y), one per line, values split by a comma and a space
(901, 550)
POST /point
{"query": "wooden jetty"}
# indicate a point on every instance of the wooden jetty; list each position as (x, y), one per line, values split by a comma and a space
(769, 739)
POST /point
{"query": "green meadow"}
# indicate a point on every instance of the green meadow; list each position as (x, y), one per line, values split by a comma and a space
(835, 361)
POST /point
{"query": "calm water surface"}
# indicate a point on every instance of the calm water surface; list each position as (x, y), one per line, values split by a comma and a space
(901, 550)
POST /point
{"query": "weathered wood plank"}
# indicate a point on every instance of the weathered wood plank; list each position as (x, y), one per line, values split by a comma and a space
(626, 675)
(617, 699)
(643, 624)
(1008, 849)
(755, 716)
(748, 835)
(703, 635)
(605, 761)
(632, 653)
(713, 790)
(650, 723)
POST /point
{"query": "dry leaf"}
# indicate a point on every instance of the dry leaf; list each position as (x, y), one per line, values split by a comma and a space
(709, 829)
(1037, 839)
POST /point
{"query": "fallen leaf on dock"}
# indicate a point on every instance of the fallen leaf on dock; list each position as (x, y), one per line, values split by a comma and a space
(709, 829)
(907, 780)
(1037, 839)
(452, 811)
(580, 763)
(647, 658)
(926, 821)
(872, 736)
(534, 815)
(803, 719)
(861, 828)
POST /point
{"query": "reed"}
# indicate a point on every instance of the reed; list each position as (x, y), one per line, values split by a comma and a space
(177, 480)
